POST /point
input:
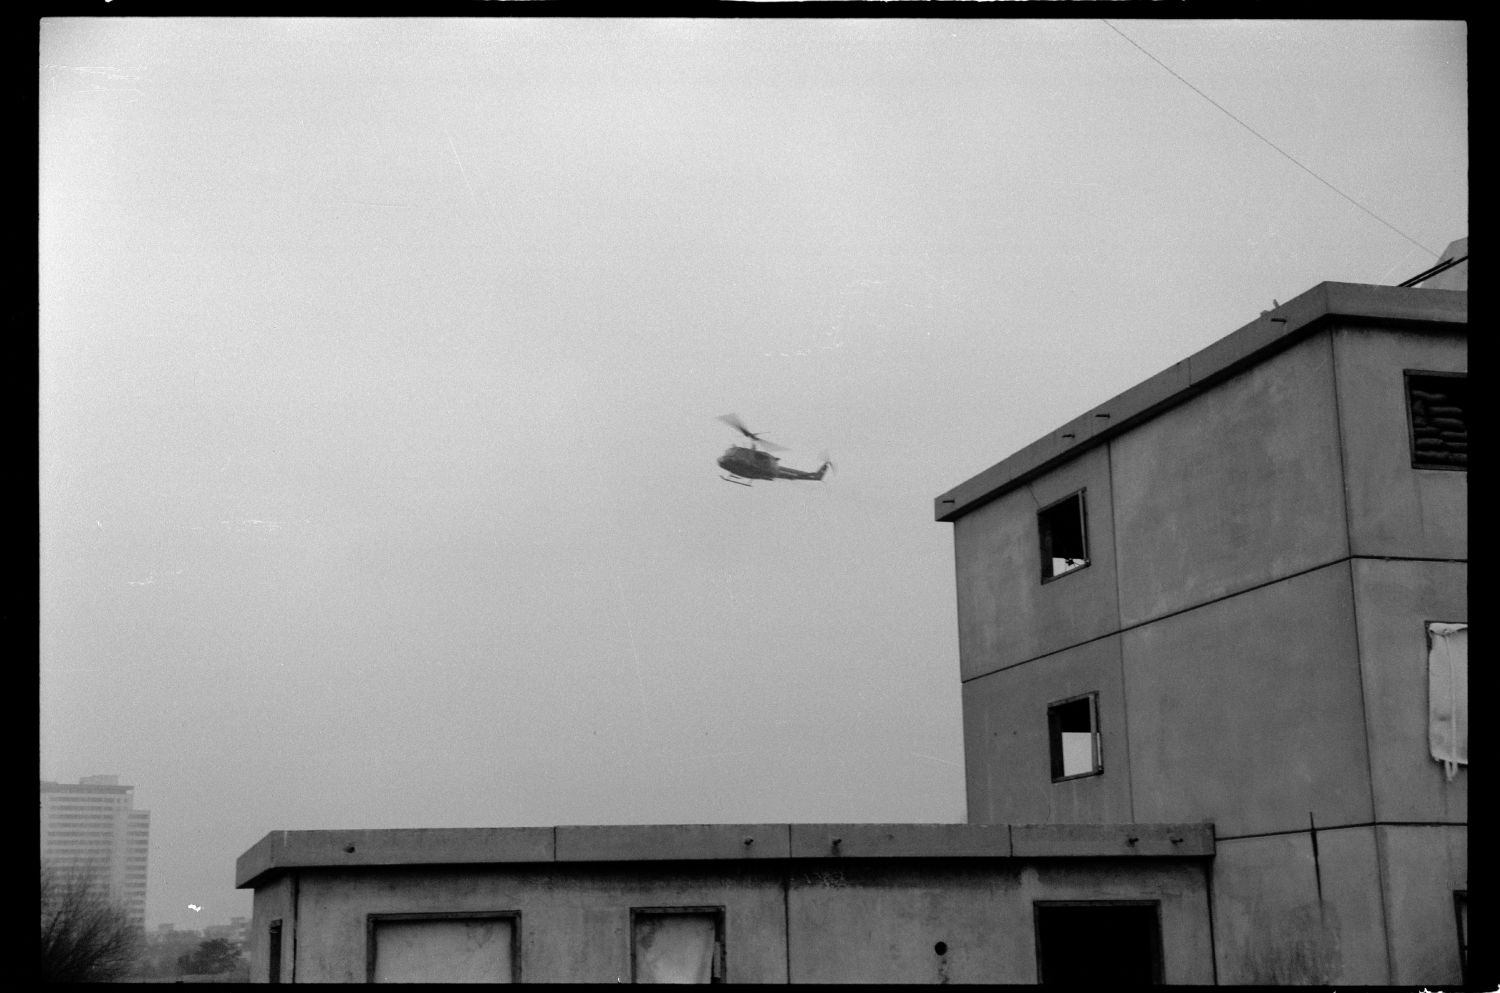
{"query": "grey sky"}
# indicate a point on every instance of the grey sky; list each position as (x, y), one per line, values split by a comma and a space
(380, 361)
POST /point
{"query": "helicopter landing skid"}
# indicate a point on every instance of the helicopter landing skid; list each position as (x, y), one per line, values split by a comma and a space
(737, 481)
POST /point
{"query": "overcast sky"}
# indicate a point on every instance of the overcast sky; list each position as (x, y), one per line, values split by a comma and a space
(380, 362)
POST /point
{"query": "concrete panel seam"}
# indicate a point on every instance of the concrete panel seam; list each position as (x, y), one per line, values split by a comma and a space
(1385, 913)
(1114, 537)
(1338, 425)
(1409, 558)
(1364, 696)
(1208, 892)
(1166, 616)
(1325, 829)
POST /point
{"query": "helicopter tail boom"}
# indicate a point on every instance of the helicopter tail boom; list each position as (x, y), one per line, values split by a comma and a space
(784, 473)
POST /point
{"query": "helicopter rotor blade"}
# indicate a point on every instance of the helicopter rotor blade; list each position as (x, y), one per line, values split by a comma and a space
(734, 421)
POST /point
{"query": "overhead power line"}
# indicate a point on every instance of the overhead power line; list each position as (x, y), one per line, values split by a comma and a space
(1268, 141)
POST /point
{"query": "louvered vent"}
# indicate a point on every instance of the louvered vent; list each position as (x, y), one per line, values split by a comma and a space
(1439, 406)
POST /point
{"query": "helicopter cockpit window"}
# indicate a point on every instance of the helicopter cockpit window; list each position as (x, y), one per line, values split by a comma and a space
(1064, 535)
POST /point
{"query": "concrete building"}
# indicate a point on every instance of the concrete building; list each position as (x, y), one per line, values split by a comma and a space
(92, 827)
(1237, 593)
(1213, 645)
(758, 903)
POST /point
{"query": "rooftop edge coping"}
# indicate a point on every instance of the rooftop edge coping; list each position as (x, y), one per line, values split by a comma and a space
(281, 850)
(1273, 330)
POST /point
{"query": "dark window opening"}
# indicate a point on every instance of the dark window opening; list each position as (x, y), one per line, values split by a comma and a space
(274, 941)
(1461, 915)
(1098, 944)
(1073, 734)
(677, 945)
(1064, 534)
(1438, 407)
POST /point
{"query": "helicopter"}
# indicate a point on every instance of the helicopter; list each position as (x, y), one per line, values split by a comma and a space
(744, 464)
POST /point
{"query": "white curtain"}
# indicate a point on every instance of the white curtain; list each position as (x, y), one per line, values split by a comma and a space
(674, 948)
(1448, 695)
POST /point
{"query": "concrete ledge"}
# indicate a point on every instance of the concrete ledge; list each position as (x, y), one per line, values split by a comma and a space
(258, 858)
(1268, 333)
(1110, 840)
(900, 840)
(282, 850)
(655, 842)
(398, 846)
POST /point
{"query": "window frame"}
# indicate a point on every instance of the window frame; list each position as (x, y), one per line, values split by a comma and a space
(1054, 738)
(719, 969)
(1158, 956)
(514, 916)
(1411, 425)
(1044, 544)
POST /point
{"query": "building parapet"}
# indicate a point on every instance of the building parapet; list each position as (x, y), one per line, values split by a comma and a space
(283, 850)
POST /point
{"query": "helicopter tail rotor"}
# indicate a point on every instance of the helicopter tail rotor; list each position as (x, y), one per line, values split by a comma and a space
(734, 421)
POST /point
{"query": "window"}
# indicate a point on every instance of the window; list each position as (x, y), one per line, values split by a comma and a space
(1461, 915)
(677, 945)
(274, 969)
(457, 947)
(1098, 944)
(1437, 405)
(1064, 534)
(1073, 732)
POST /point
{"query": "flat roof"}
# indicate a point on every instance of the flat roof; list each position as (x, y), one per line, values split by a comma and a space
(1272, 331)
(280, 851)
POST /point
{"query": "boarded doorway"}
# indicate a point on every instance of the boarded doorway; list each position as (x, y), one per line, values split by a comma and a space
(1103, 943)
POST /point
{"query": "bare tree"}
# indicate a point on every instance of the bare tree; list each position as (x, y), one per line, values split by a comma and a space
(86, 938)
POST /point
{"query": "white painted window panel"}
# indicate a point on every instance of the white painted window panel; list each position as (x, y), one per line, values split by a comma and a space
(674, 948)
(443, 951)
(1078, 752)
(1448, 695)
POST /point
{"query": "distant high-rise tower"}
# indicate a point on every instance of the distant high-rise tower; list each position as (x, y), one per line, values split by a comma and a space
(92, 827)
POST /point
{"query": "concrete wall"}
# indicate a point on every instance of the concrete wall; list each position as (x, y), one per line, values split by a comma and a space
(808, 920)
(1421, 867)
(1369, 905)
(1276, 556)
(274, 901)
(1234, 488)
(1248, 711)
(1006, 614)
(865, 923)
(575, 920)
(1286, 913)
(1394, 600)
(1007, 756)
(1394, 509)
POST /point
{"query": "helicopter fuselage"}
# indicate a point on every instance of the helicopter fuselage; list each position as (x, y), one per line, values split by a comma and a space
(752, 463)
